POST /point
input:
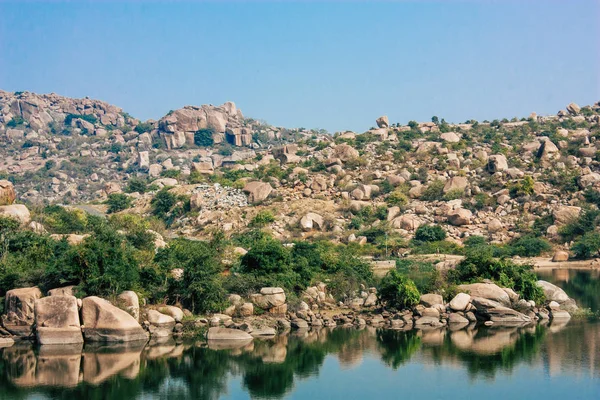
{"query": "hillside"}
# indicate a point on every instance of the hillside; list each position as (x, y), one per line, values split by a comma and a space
(500, 179)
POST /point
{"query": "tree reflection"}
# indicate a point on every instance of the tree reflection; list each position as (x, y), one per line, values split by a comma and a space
(397, 347)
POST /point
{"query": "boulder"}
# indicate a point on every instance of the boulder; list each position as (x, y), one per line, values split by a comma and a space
(497, 163)
(450, 137)
(560, 256)
(104, 322)
(57, 320)
(62, 291)
(565, 214)
(494, 225)
(161, 325)
(493, 311)
(455, 318)
(175, 312)
(456, 183)
(20, 310)
(460, 216)
(7, 193)
(298, 323)
(489, 291)
(215, 333)
(345, 152)
(312, 221)
(246, 310)
(16, 211)
(269, 297)
(257, 191)
(460, 302)
(573, 109)
(553, 292)
(431, 299)
(130, 302)
(383, 122)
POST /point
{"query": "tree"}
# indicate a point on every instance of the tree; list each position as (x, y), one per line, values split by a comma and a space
(430, 233)
(118, 202)
(435, 120)
(398, 291)
(204, 137)
(587, 245)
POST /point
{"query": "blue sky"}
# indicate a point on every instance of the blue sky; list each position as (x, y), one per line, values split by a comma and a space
(336, 65)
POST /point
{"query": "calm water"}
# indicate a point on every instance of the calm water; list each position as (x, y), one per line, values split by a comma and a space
(554, 362)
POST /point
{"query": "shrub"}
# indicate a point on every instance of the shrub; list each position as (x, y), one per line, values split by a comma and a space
(398, 291)
(588, 219)
(136, 185)
(143, 127)
(480, 264)
(529, 246)
(204, 137)
(397, 198)
(434, 191)
(430, 233)
(15, 121)
(263, 218)
(265, 257)
(118, 202)
(88, 117)
(592, 196)
(587, 245)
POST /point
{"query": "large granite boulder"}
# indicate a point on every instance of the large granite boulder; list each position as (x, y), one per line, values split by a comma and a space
(20, 310)
(431, 299)
(104, 322)
(269, 298)
(554, 293)
(489, 291)
(175, 312)
(57, 320)
(16, 211)
(460, 302)
(7, 193)
(497, 163)
(494, 311)
(383, 122)
(460, 216)
(161, 325)
(257, 191)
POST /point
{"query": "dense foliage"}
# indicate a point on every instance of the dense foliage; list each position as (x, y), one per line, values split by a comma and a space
(398, 291)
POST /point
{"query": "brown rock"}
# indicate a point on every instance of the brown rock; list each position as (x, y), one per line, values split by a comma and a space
(106, 323)
(7, 193)
(57, 320)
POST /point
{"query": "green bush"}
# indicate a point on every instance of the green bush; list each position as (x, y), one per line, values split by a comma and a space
(587, 221)
(397, 198)
(529, 246)
(138, 185)
(143, 127)
(587, 246)
(15, 121)
(434, 191)
(118, 202)
(397, 291)
(430, 233)
(204, 137)
(263, 218)
(87, 117)
(480, 264)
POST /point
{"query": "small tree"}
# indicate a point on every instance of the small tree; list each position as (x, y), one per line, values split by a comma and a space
(204, 137)
(398, 291)
(118, 202)
(587, 246)
(430, 233)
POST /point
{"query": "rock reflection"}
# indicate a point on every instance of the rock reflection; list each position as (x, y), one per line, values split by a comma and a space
(274, 367)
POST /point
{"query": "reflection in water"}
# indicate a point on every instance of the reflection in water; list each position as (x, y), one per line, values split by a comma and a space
(274, 367)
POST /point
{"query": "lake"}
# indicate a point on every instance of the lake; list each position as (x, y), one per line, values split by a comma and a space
(553, 361)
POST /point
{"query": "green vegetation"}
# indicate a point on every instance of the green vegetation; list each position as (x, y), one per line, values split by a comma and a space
(480, 264)
(587, 246)
(430, 233)
(118, 202)
(86, 117)
(204, 137)
(397, 291)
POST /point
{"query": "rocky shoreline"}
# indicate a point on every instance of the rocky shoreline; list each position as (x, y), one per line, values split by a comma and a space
(62, 319)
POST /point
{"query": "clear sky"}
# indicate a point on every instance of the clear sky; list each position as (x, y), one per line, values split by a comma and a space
(333, 65)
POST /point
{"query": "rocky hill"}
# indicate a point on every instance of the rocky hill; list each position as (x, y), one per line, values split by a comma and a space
(500, 179)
